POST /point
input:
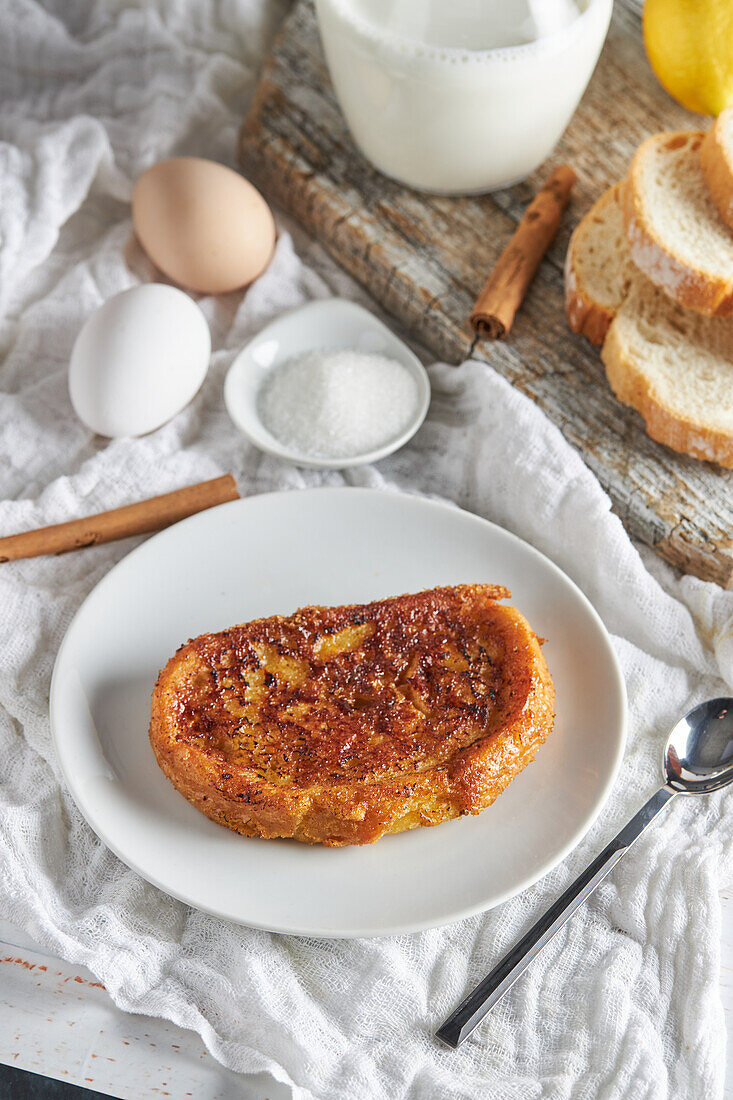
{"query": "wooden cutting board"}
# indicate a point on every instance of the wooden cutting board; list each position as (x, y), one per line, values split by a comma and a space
(425, 258)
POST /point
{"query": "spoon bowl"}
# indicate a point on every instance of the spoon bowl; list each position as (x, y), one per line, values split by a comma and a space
(698, 758)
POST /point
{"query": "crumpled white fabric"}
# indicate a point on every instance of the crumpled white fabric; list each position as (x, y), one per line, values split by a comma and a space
(624, 1002)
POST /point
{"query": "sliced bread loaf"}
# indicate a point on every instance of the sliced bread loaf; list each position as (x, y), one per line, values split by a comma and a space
(598, 268)
(676, 235)
(671, 364)
(716, 158)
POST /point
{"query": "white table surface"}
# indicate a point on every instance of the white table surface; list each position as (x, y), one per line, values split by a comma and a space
(56, 1020)
(726, 982)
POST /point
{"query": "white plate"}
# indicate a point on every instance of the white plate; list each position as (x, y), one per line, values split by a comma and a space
(271, 554)
(327, 325)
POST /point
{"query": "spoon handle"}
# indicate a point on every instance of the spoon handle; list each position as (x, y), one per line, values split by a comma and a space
(472, 1010)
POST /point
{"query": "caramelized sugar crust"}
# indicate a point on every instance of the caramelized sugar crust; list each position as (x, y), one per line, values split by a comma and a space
(336, 725)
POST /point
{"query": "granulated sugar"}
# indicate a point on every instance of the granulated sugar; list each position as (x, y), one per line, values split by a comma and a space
(337, 404)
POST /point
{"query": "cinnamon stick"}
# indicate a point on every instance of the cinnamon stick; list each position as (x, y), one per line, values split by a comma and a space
(121, 523)
(494, 312)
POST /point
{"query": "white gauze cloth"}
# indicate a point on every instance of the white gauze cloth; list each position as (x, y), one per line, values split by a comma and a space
(624, 1002)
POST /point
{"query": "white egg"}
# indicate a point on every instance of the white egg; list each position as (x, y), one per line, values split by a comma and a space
(138, 360)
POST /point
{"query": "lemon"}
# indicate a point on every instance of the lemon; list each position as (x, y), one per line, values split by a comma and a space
(689, 44)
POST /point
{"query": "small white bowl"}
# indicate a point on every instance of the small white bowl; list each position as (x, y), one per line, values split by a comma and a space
(330, 324)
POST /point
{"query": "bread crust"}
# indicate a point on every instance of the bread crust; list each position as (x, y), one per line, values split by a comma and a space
(702, 291)
(458, 699)
(585, 314)
(716, 163)
(665, 425)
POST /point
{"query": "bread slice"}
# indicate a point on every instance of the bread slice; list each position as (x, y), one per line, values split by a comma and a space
(676, 235)
(598, 268)
(716, 158)
(671, 364)
(675, 367)
(336, 725)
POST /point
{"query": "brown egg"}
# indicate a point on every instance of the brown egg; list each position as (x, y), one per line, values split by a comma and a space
(205, 226)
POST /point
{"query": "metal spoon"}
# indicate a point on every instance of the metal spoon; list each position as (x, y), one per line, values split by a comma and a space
(698, 759)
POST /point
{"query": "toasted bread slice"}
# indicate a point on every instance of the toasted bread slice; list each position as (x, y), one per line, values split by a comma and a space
(716, 159)
(336, 725)
(598, 267)
(671, 364)
(676, 236)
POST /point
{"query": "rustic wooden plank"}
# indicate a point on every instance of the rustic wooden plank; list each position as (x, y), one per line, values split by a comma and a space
(425, 258)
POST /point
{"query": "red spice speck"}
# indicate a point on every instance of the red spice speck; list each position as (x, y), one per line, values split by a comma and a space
(84, 981)
(21, 962)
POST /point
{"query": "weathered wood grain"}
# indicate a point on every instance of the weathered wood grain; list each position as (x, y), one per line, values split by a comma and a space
(425, 258)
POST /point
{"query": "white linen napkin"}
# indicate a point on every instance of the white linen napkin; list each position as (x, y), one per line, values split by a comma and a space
(624, 1003)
